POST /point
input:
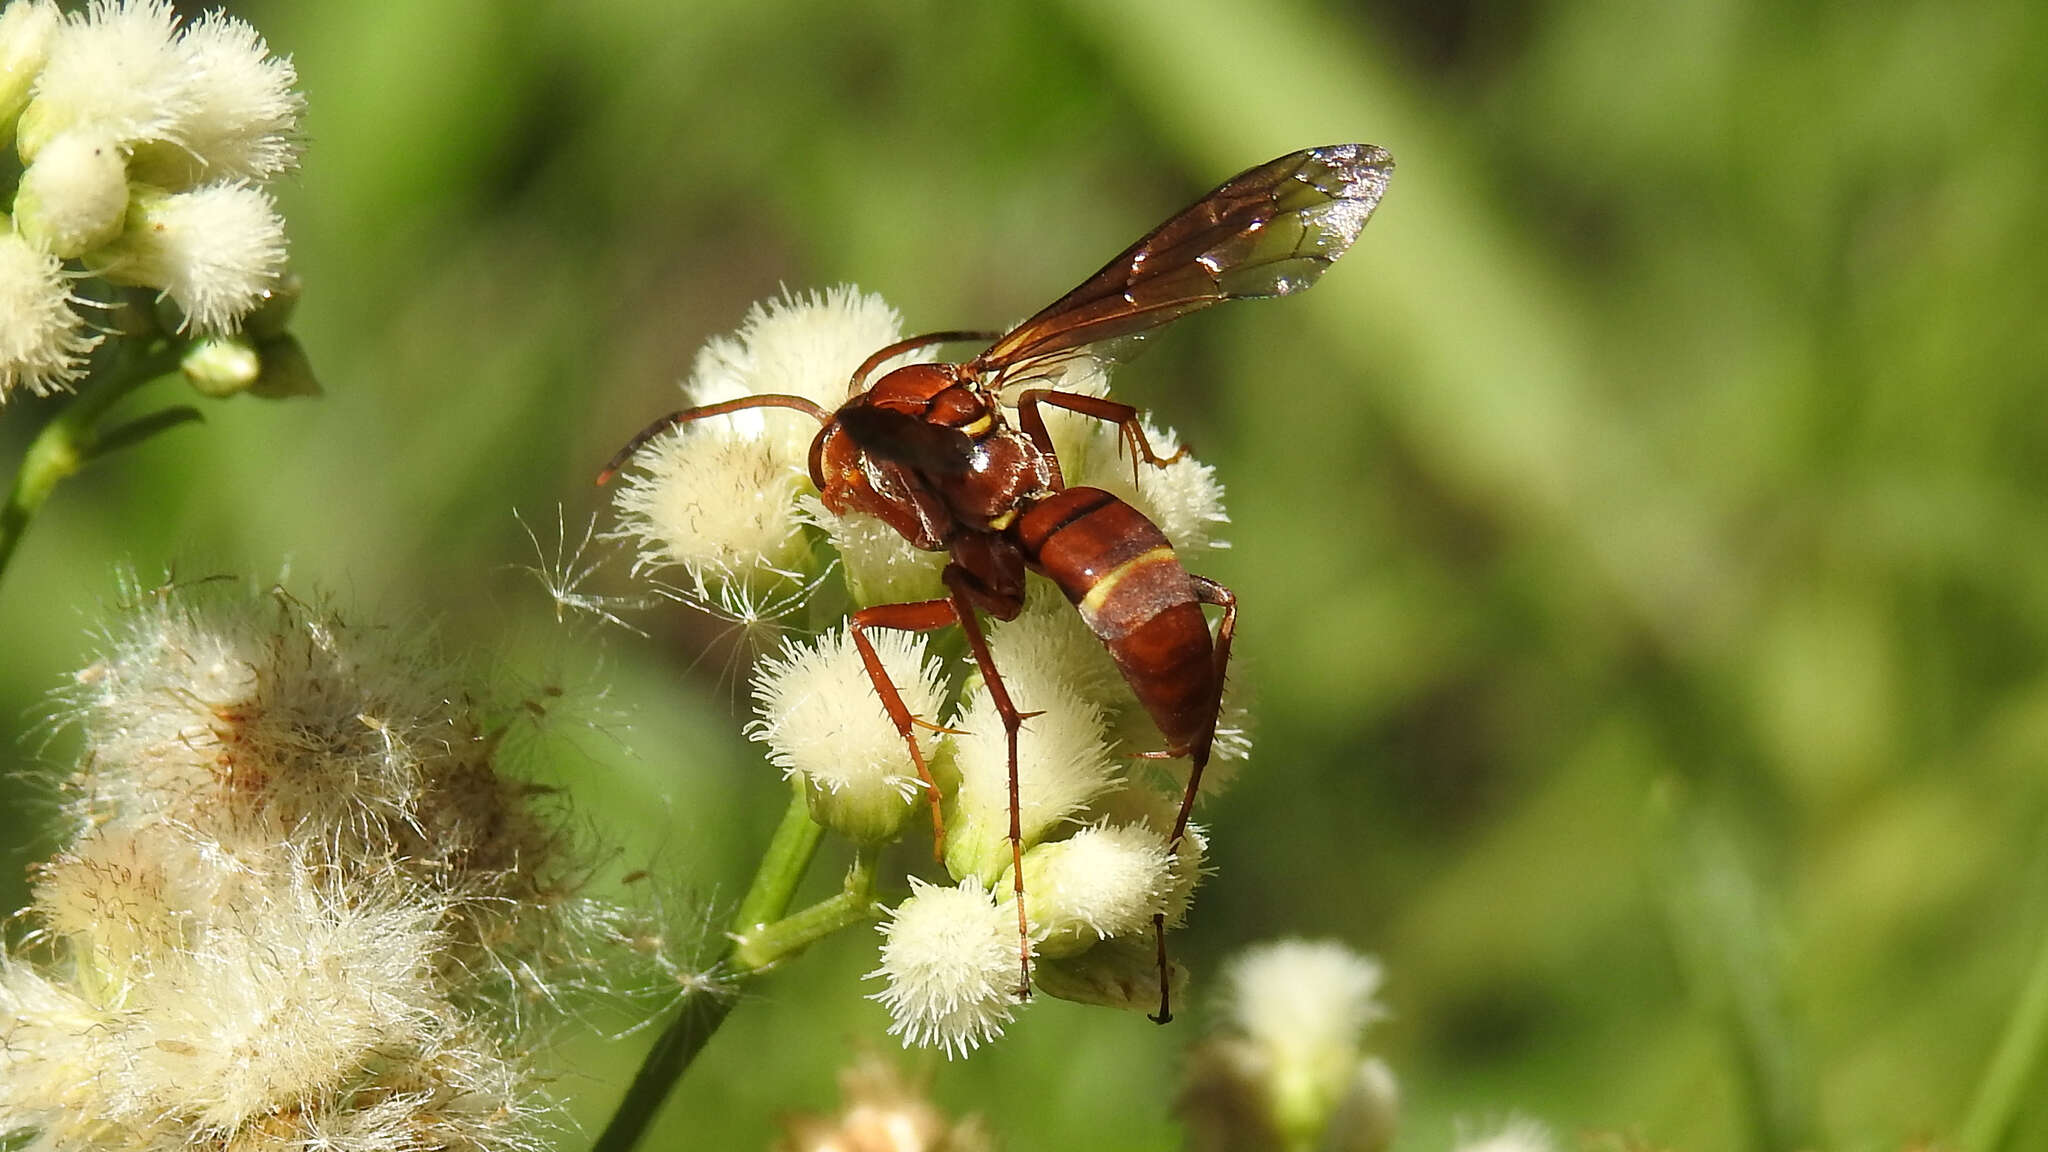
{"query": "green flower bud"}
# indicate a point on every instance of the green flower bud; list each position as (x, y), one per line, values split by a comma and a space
(26, 29)
(221, 366)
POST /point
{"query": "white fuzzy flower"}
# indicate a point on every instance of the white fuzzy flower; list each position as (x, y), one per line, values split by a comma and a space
(74, 197)
(200, 104)
(822, 720)
(240, 114)
(215, 251)
(1183, 498)
(800, 345)
(1062, 764)
(43, 341)
(714, 501)
(27, 28)
(1518, 1135)
(115, 70)
(950, 956)
(1306, 998)
(1103, 881)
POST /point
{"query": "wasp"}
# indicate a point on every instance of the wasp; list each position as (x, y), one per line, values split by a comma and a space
(930, 450)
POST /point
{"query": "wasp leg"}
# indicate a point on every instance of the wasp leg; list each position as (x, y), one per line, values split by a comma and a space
(1123, 416)
(1208, 592)
(925, 616)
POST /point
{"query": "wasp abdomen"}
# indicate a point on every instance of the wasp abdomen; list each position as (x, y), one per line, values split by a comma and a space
(1119, 569)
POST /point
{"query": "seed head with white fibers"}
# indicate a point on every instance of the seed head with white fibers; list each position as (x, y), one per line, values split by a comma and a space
(950, 958)
(240, 119)
(717, 503)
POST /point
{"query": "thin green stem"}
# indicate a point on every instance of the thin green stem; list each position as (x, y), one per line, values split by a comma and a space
(72, 439)
(771, 943)
(762, 934)
(2014, 1068)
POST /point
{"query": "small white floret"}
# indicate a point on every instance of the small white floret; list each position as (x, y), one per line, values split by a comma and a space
(1305, 1001)
(115, 70)
(716, 503)
(1107, 880)
(951, 958)
(800, 345)
(240, 116)
(215, 251)
(1062, 764)
(43, 340)
(823, 720)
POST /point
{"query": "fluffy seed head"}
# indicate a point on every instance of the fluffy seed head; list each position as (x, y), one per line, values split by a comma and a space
(882, 1110)
(216, 251)
(950, 957)
(822, 720)
(74, 197)
(43, 341)
(1103, 881)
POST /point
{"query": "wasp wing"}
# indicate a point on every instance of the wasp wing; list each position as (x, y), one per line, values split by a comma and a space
(1268, 231)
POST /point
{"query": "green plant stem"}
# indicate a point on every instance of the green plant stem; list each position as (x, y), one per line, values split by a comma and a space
(2014, 1068)
(763, 933)
(72, 439)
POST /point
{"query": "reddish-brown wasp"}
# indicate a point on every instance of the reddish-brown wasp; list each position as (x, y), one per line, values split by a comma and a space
(930, 450)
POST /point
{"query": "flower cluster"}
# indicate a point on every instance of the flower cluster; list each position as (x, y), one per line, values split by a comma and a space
(145, 145)
(300, 906)
(729, 501)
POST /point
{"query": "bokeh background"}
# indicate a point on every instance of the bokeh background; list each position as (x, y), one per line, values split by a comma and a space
(1642, 535)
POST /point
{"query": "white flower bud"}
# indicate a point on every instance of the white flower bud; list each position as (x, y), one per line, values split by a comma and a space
(43, 340)
(215, 251)
(950, 956)
(1304, 1005)
(26, 29)
(74, 198)
(823, 721)
(1100, 882)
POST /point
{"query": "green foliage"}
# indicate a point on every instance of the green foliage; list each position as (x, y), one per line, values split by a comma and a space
(1675, 430)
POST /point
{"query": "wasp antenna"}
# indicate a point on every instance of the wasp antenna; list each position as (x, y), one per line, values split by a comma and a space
(860, 374)
(678, 419)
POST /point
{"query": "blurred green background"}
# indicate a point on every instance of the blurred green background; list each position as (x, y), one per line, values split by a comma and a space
(1642, 536)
